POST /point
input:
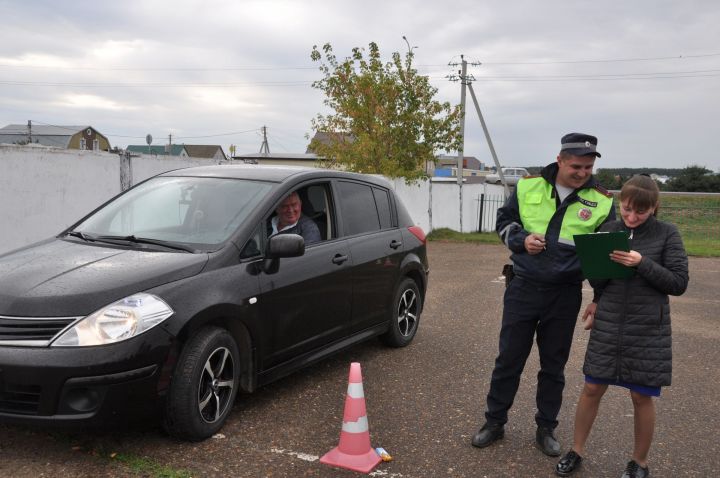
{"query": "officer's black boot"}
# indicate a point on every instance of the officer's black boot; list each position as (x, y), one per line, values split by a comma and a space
(488, 434)
(546, 441)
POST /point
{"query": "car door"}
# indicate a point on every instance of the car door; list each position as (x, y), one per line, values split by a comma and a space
(306, 302)
(376, 247)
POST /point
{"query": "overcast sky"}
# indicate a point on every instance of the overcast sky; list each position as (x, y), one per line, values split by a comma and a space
(643, 76)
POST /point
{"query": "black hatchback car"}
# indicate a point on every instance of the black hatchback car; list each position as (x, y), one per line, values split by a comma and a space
(179, 292)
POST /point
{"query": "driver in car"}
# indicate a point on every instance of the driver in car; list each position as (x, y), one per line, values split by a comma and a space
(289, 219)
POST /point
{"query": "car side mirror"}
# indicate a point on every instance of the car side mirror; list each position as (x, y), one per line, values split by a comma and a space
(282, 245)
(285, 245)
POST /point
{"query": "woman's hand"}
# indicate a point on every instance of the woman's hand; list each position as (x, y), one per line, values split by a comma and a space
(629, 259)
(589, 315)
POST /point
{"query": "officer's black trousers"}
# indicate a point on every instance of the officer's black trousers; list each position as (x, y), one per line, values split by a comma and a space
(530, 310)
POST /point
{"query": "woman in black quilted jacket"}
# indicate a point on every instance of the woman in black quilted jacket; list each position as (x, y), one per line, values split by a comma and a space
(630, 342)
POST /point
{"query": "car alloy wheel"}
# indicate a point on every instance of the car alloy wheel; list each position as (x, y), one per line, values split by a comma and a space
(203, 385)
(407, 312)
(216, 385)
(407, 307)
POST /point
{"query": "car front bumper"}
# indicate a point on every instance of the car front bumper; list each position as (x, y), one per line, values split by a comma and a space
(84, 385)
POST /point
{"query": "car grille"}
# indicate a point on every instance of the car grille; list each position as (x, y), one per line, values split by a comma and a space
(28, 332)
(31, 331)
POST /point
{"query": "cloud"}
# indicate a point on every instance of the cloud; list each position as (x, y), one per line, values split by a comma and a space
(85, 101)
(643, 76)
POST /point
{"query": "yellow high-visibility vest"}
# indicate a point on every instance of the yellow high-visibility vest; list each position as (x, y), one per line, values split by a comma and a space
(537, 207)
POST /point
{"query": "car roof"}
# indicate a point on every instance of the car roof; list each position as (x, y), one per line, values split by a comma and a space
(277, 174)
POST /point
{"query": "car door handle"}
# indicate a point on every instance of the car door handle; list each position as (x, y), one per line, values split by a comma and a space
(395, 244)
(339, 258)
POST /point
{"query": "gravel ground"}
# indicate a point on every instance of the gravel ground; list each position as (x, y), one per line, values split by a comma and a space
(424, 402)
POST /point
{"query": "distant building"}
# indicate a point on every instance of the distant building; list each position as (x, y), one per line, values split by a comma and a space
(279, 159)
(65, 137)
(661, 179)
(446, 167)
(159, 150)
(211, 151)
(469, 162)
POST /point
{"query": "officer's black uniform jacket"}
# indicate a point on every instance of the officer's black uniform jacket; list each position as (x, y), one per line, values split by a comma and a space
(559, 263)
(630, 340)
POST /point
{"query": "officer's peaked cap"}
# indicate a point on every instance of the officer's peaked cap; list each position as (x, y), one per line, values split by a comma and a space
(579, 144)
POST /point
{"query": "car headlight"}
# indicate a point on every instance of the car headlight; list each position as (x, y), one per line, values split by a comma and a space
(118, 321)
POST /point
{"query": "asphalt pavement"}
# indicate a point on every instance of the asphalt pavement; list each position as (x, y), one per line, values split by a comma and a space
(424, 402)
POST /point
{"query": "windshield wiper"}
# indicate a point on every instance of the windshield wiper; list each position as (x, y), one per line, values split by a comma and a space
(81, 235)
(146, 240)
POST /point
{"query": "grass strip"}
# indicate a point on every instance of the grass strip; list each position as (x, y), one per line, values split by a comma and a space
(695, 246)
(148, 467)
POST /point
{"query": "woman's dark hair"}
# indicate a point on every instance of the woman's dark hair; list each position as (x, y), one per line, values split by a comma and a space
(641, 192)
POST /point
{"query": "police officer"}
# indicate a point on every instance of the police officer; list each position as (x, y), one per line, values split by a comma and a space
(537, 224)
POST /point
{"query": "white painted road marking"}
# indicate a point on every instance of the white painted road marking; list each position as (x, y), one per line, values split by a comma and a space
(311, 458)
(302, 456)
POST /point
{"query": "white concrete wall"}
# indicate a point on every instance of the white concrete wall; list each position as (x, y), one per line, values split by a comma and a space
(416, 198)
(43, 191)
(445, 197)
(146, 166)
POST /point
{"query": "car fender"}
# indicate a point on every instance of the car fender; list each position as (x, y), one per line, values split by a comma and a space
(412, 266)
(230, 305)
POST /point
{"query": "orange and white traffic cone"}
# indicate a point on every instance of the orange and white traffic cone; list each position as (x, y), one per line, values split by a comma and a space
(354, 451)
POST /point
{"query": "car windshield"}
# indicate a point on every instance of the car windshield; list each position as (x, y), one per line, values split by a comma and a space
(196, 212)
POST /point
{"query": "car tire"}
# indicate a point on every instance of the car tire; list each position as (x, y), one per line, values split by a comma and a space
(203, 386)
(405, 317)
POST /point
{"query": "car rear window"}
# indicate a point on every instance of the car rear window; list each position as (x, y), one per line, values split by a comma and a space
(359, 211)
(382, 202)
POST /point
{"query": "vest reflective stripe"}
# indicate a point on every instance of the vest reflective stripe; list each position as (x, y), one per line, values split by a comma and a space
(537, 207)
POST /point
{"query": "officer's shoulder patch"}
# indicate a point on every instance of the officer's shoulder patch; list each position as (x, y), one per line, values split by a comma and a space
(603, 191)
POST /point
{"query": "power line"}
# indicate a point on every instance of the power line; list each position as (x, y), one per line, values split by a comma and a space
(609, 75)
(275, 141)
(163, 85)
(613, 60)
(597, 77)
(289, 68)
(550, 79)
(220, 134)
(143, 137)
(589, 77)
(130, 68)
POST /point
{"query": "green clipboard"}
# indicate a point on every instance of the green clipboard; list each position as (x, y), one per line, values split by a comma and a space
(594, 253)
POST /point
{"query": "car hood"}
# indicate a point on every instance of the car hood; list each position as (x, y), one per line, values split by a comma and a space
(58, 278)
